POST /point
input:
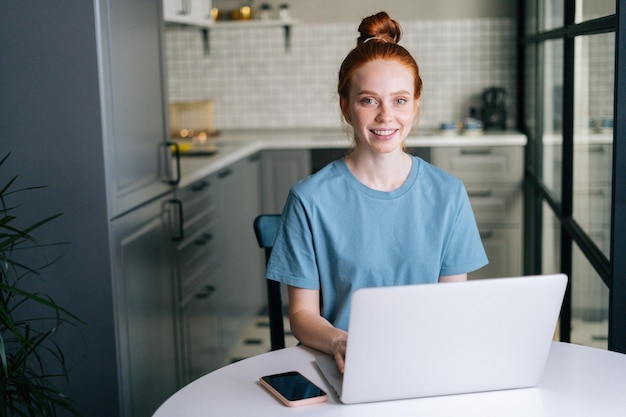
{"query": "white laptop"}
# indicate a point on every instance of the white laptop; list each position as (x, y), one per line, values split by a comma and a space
(449, 338)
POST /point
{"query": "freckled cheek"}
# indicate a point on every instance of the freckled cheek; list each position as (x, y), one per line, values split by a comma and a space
(410, 114)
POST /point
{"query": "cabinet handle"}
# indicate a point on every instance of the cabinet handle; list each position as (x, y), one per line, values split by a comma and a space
(486, 235)
(180, 229)
(200, 186)
(208, 291)
(479, 193)
(204, 239)
(477, 151)
(172, 176)
(225, 173)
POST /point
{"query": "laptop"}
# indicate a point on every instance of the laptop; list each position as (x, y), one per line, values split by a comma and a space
(447, 338)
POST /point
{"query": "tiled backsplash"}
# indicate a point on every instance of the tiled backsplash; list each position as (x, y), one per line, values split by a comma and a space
(256, 83)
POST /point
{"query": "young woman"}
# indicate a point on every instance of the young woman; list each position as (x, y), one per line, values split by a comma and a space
(379, 216)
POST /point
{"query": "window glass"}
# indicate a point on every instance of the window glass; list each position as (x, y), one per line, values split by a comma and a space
(551, 242)
(550, 246)
(592, 9)
(552, 14)
(590, 304)
(593, 135)
(530, 81)
(552, 116)
(530, 18)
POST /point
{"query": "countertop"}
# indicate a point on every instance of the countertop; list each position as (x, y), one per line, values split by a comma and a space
(235, 145)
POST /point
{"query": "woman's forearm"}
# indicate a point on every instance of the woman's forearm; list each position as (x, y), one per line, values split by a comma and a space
(313, 330)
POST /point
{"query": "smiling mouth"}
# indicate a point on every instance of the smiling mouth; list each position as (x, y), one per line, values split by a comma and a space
(383, 132)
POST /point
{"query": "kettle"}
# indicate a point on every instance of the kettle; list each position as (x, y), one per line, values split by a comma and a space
(494, 109)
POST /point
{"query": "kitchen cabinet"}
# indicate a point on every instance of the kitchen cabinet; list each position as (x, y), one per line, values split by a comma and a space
(134, 97)
(199, 267)
(238, 190)
(140, 178)
(220, 266)
(493, 177)
(145, 281)
(203, 348)
(280, 169)
(190, 12)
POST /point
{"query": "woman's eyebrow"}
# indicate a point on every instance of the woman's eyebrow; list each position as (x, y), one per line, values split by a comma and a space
(373, 93)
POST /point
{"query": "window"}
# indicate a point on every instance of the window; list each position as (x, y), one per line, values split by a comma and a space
(576, 160)
(594, 67)
(592, 9)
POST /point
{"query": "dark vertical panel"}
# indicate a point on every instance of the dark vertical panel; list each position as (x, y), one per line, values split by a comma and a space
(567, 168)
(617, 307)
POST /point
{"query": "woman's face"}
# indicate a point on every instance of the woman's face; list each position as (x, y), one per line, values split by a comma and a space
(381, 106)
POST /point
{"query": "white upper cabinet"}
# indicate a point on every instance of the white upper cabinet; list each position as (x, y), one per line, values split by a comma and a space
(190, 12)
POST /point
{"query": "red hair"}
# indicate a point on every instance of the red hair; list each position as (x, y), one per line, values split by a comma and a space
(379, 36)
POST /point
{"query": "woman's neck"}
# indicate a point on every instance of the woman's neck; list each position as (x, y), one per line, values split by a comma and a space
(382, 172)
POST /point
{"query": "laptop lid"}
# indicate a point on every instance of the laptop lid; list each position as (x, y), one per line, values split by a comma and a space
(450, 338)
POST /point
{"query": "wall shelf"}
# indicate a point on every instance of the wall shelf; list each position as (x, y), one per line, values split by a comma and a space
(285, 23)
(225, 24)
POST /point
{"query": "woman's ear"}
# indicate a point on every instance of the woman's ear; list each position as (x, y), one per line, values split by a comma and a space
(416, 116)
(345, 110)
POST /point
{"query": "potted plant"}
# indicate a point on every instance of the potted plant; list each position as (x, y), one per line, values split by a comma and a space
(30, 359)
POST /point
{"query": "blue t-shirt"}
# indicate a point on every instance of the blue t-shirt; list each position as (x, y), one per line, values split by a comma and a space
(338, 235)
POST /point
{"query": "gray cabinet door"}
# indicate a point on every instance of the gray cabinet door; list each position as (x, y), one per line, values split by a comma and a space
(242, 273)
(201, 332)
(145, 295)
(199, 267)
(280, 169)
(133, 101)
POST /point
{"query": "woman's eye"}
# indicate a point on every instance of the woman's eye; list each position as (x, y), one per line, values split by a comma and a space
(368, 101)
(401, 101)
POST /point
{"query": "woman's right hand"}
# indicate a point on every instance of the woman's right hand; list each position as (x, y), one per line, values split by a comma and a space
(339, 350)
(313, 330)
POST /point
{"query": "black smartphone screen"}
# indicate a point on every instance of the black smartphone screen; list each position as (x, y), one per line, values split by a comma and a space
(293, 386)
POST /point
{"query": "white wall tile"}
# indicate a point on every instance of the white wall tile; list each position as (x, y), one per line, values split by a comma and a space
(255, 83)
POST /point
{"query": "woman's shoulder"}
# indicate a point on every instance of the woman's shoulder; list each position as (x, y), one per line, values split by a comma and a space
(437, 182)
(428, 171)
(328, 174)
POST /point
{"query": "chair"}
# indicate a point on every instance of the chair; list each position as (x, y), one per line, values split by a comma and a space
(265, 228)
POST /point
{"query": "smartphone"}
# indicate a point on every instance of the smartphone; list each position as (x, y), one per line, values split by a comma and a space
(293, 389)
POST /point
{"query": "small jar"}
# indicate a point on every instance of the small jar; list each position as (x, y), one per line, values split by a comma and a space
(265, 11)
(283, 12)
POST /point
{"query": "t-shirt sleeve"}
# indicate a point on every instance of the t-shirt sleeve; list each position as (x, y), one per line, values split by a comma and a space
(463, 251)
(293, 256)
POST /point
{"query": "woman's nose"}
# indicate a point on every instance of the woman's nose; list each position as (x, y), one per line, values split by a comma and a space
(383, 114)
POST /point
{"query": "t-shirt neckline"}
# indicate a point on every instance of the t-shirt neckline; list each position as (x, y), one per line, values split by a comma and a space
(385, 195)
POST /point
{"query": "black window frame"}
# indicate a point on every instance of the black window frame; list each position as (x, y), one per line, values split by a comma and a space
(612, 271)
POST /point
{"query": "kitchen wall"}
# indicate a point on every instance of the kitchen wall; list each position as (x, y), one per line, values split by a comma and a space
(255, 83)
(324, 11)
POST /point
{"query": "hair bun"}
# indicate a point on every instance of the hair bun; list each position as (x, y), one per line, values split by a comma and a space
(379, 27)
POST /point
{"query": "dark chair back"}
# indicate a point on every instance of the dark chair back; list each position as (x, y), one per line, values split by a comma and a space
(265, 228)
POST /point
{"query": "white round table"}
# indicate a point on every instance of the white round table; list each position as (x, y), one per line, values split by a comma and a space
(578, 381)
